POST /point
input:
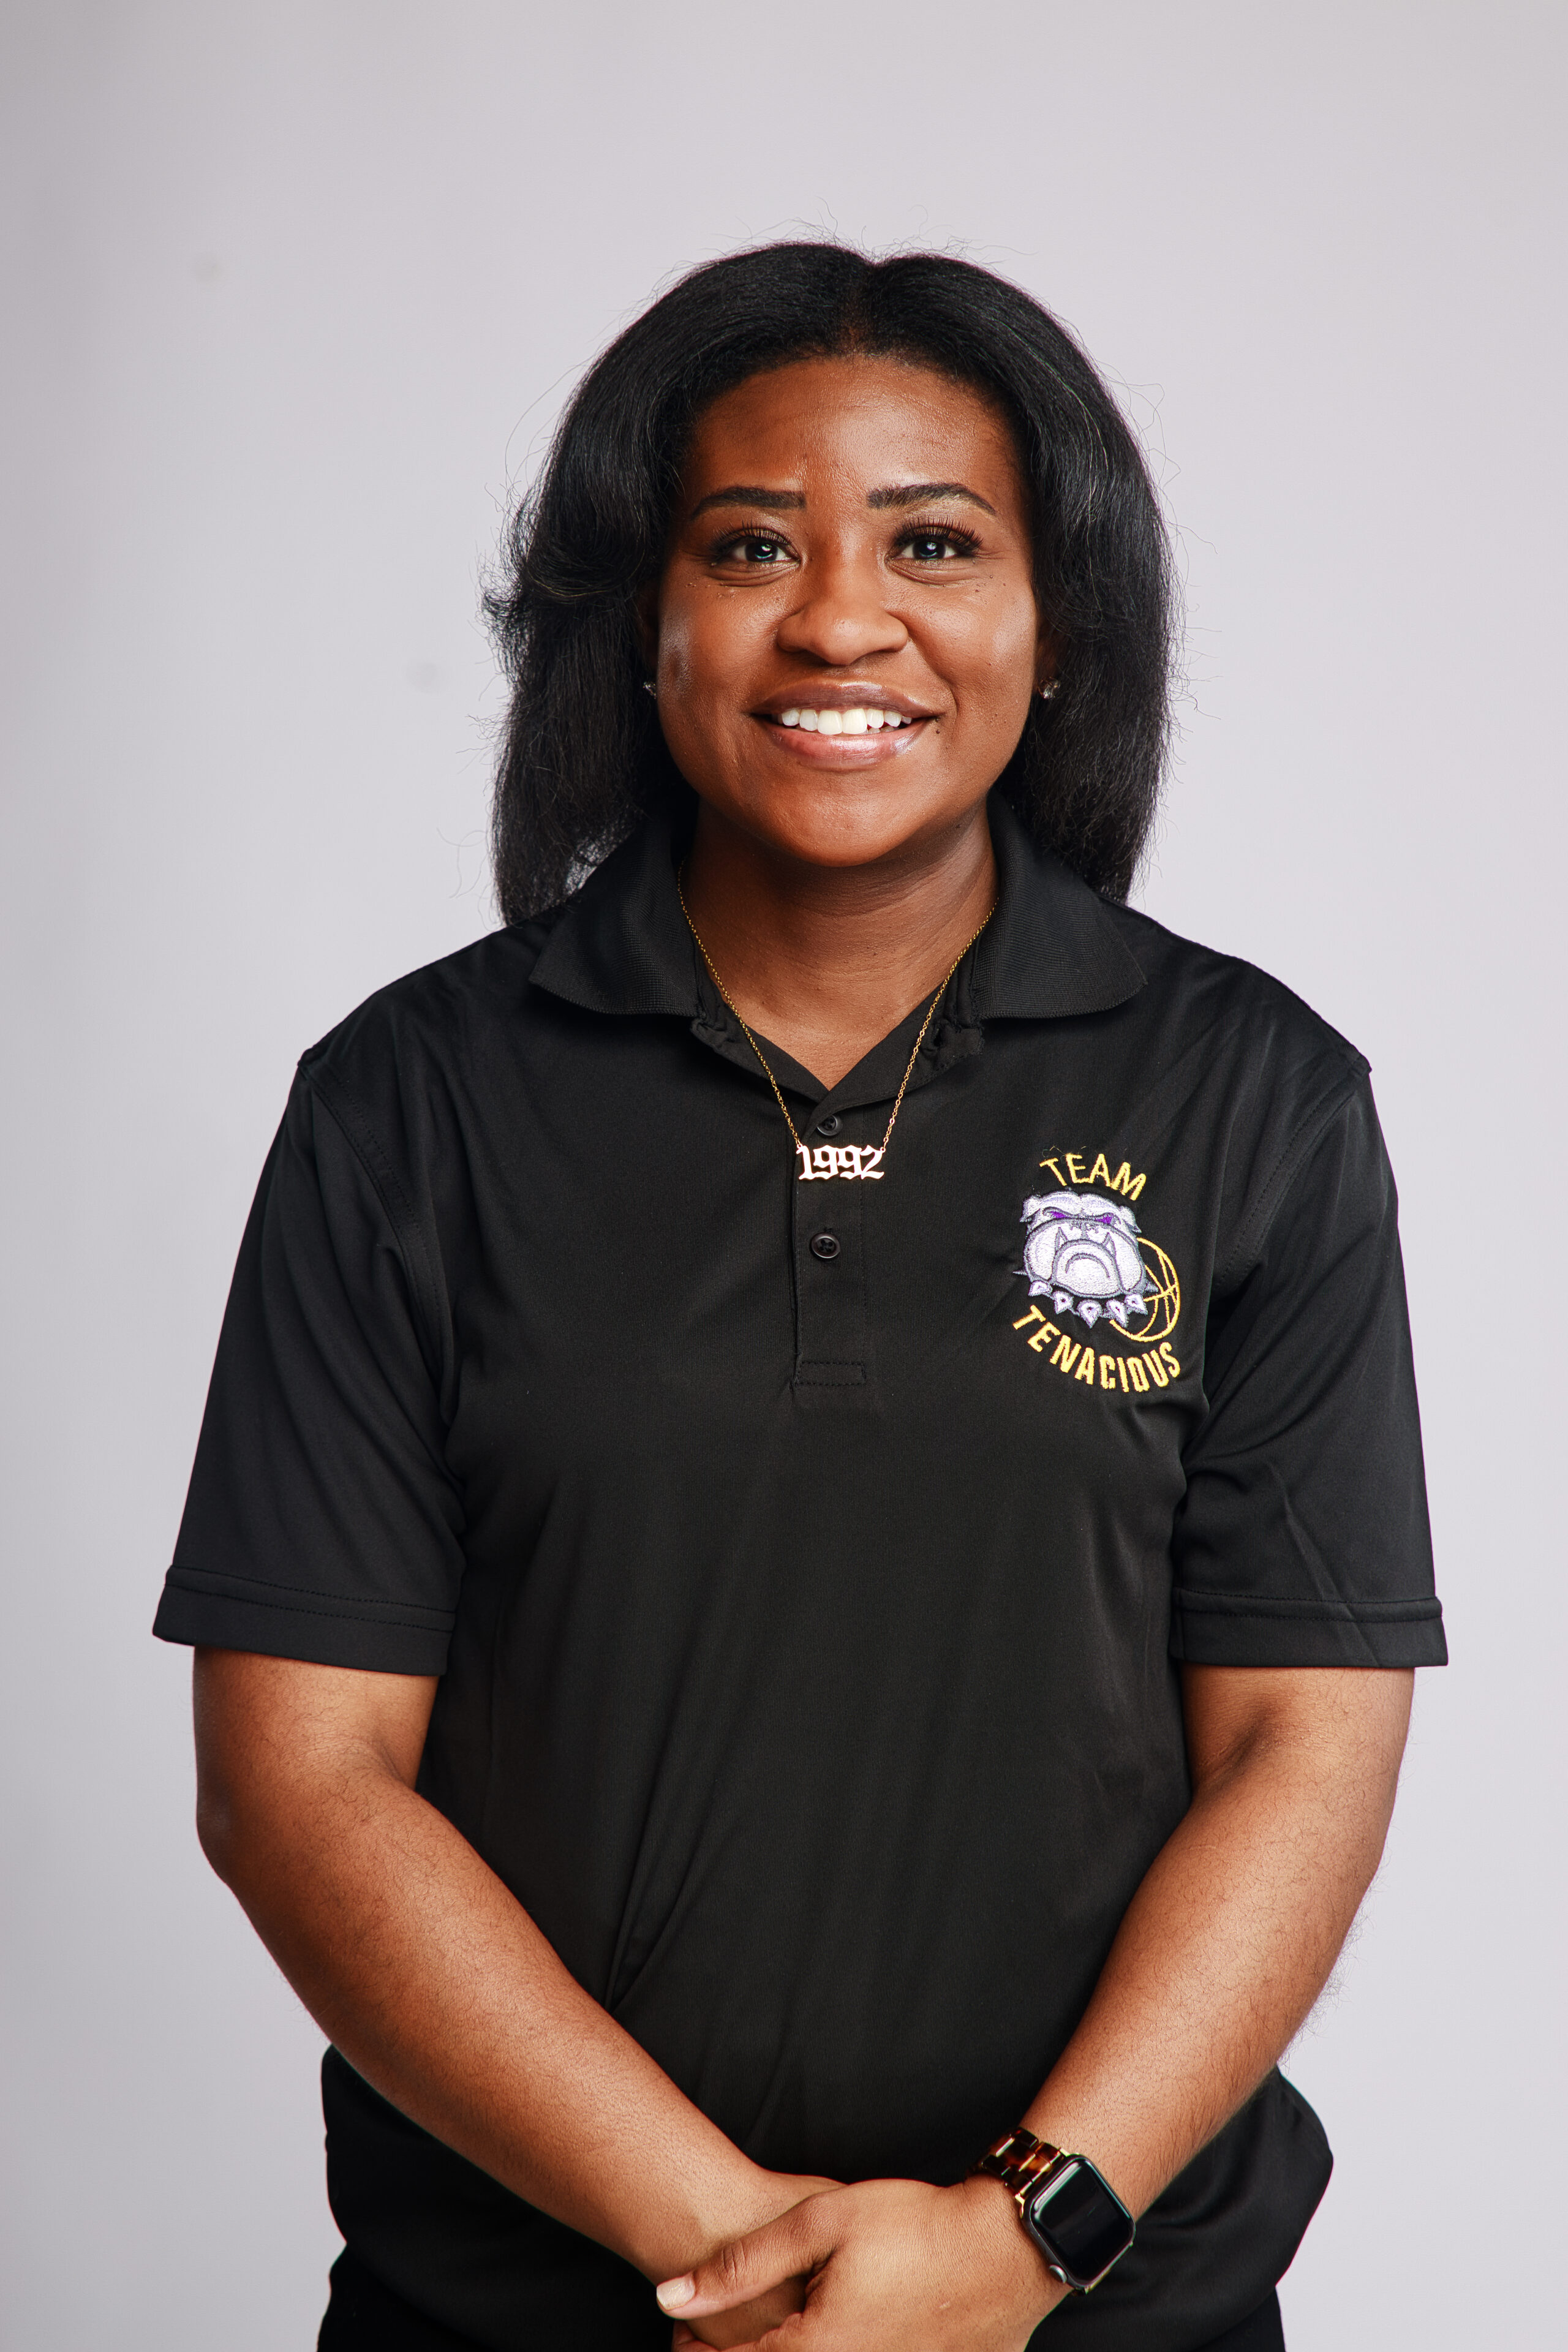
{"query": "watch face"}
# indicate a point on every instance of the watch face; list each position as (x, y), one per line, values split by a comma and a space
(1082, 2225)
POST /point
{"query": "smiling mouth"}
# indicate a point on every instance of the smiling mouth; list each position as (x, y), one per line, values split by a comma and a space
(842, 734)
(863, 718)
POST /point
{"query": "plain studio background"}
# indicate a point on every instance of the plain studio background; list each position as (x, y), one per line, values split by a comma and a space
(293, 294)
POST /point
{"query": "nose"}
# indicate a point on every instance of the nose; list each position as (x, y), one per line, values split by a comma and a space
(841, 616)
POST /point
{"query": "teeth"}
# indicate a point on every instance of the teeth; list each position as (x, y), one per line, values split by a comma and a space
(843, 722)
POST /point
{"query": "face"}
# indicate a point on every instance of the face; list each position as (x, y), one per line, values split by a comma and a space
(845, 636)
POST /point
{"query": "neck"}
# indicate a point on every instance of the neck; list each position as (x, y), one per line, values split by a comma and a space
(826, 961)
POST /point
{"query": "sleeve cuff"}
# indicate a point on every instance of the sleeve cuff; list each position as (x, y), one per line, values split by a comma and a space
(321, 1629)
(1244, 1629)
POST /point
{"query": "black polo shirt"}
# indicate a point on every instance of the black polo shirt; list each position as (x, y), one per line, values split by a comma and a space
(806, 1562)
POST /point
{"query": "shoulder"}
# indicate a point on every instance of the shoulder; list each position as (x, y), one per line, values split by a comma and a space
(408, 1079)
(436, 1018)
(1243, 1020)
(1272, 1078)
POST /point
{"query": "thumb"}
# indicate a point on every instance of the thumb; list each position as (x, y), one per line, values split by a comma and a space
(797, 2243)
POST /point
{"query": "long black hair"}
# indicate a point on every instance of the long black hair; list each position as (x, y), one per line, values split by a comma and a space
(583, 758)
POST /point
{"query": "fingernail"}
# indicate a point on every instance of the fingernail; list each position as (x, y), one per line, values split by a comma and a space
(675, 2292)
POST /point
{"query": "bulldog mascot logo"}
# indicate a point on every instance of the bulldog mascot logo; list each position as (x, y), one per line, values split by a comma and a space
(1082, 1252)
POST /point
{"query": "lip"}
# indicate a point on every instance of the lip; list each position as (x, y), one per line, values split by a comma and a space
(845, 751)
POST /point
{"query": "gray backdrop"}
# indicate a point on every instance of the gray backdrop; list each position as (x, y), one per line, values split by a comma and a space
(292, 296)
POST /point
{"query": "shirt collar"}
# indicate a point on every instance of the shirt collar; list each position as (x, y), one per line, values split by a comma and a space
(1052, 949)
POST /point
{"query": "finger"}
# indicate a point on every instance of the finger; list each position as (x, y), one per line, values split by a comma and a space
(780, 2250)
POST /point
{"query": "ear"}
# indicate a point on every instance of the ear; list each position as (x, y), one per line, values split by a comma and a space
(1047, 657)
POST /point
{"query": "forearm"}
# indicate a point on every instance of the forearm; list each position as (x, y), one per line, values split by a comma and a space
(436, 1984)
(1222, 1952)
(1228, 1941)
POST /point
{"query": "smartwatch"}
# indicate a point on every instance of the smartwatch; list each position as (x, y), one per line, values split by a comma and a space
(1072, 2213)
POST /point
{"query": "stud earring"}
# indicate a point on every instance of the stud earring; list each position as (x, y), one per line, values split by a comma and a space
(650, 688)
(1049, 689)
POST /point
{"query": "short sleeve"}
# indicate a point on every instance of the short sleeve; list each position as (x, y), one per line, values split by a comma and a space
(1303, 1540)
(321, 1521)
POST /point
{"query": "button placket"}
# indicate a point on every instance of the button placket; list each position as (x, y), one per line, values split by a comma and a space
(832, 1338)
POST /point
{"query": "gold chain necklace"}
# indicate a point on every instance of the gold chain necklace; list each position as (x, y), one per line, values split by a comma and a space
(856, 1160)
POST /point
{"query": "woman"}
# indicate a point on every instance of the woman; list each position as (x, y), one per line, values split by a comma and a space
(809, 1535)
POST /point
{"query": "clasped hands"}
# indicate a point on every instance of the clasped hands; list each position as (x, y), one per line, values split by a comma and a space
(876, 2267)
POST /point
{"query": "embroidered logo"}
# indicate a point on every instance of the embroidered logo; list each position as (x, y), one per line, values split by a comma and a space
(1082, 1252)
(1085, 1250)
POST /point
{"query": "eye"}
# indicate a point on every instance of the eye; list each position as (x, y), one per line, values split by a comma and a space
(752, 549)
(933, 544)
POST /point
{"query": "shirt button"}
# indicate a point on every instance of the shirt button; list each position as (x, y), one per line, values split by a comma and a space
(831, 1125)
(824, 1246)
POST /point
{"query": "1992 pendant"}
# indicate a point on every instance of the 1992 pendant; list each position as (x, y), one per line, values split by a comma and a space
(823, 1162)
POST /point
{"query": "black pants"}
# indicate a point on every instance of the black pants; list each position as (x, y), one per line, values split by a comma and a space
(366, 2316)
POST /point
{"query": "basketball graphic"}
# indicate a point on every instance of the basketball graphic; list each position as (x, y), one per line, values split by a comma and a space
(1164, 1297)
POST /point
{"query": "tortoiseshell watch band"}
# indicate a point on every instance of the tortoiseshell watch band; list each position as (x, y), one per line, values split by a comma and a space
(1017, 2160)
(1066, 2205)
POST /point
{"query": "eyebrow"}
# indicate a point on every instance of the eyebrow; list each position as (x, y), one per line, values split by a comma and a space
(747, 494)
(915, 494)
(911, 494)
